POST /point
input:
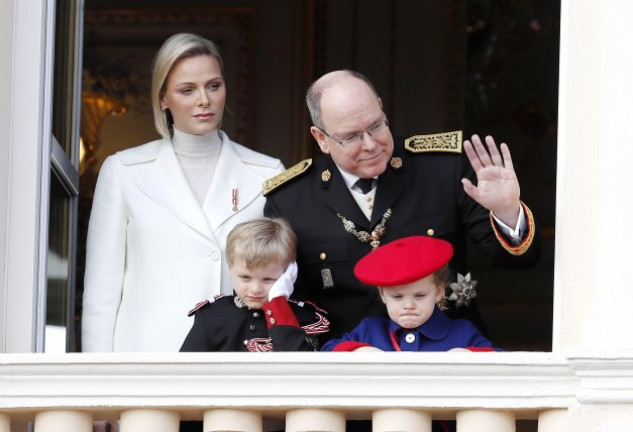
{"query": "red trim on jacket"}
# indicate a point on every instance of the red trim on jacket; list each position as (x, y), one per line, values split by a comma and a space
(279, 312)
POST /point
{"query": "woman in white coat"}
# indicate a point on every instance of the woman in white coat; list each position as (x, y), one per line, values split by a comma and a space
(162, 210)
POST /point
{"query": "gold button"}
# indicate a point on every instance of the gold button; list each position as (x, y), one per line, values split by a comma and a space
(323, 256)
(430, 232)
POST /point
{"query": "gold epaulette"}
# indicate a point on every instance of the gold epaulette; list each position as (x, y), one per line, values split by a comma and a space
(292, 172)
(450, 142)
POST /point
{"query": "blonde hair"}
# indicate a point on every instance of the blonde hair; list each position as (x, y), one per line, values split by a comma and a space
(174, 49)
(261, 242)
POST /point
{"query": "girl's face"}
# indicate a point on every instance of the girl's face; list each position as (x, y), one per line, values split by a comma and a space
(411, 305)
(195, 95)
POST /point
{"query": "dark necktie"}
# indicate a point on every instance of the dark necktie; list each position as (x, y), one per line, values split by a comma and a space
(365, 185)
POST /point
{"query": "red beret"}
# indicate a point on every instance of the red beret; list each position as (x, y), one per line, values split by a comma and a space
(403, 261)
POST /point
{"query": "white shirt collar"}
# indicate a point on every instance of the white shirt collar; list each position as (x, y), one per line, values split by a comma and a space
(348, 178)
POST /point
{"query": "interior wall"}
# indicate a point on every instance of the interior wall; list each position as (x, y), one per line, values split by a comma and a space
(402, 47)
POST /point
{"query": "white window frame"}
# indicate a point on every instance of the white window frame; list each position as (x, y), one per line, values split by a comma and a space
(32, 153)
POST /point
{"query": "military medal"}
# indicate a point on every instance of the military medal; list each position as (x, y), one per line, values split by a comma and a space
(326, 175)
(326, 275)
(234, 199)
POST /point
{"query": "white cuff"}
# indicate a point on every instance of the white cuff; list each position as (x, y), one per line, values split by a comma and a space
(515, 235)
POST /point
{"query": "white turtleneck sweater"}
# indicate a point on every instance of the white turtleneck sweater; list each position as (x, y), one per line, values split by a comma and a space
(198, 156)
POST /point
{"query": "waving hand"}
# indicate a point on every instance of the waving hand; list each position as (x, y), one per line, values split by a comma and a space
(497, 184)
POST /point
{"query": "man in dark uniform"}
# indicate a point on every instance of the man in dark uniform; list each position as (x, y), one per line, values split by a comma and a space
(423, 185)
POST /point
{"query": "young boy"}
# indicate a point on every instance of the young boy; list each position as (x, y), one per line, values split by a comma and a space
(410, 274)
(261, 256)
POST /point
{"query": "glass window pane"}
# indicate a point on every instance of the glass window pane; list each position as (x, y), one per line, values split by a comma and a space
(58, 272)
(65, 75)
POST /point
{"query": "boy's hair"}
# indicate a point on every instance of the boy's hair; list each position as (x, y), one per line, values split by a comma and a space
(261, 242)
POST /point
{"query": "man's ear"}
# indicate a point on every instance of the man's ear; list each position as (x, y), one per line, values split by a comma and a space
(319, 136)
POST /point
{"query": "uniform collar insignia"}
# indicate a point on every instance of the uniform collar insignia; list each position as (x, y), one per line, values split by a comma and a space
(326, 175)
(396, 162)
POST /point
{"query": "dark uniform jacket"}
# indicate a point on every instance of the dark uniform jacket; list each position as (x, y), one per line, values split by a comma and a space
(426, 197)
(282, 325)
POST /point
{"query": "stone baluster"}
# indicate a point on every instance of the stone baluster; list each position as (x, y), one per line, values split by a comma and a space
(315, 419)
(401, 420)
(5, 423)
(230, 420)
(55, 421)
(553, 420)
(150, 420)
(478, 420)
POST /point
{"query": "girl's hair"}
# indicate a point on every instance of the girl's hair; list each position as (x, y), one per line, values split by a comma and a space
(261, 242)
(442, 279)
(174, 49)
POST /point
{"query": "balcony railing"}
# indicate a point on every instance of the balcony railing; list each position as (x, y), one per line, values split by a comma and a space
(310, 391)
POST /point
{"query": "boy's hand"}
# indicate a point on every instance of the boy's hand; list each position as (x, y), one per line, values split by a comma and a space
(284, 286)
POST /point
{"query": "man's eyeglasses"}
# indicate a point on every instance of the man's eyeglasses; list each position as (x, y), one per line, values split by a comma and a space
(355, 139)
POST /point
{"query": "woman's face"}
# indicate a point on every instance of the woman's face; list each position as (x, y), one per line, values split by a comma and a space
(195, 95)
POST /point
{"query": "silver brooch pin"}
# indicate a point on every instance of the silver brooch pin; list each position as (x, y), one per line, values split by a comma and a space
(463, 290)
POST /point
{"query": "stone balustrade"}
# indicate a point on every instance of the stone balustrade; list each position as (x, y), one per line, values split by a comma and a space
(310, 391)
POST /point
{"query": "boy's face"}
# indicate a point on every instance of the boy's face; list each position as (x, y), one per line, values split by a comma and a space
(411, 305)
(252, 285)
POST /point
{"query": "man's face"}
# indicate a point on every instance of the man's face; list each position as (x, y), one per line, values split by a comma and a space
(349, 108)
(411, 305)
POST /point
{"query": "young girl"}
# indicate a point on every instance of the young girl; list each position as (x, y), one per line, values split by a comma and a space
(410, 275)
